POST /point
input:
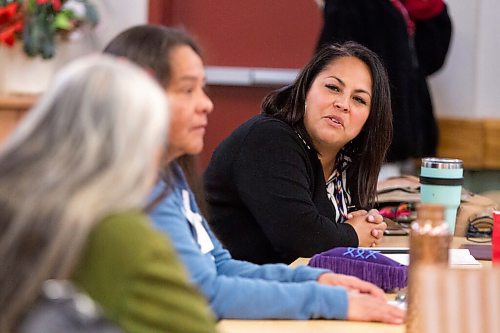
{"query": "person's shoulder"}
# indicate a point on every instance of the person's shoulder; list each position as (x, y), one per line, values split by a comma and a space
(123, 244)
(126, 235)
(271, 139)
(122, 226)
(265, 127)
(266, 122)
(134, 273)
(258, 131)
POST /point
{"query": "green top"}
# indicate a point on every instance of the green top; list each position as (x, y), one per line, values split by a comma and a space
(134, 274)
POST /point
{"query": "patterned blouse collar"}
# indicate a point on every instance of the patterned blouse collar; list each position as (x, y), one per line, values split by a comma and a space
(336, 188)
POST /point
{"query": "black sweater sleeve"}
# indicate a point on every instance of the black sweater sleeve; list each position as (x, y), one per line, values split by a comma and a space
(275, 180)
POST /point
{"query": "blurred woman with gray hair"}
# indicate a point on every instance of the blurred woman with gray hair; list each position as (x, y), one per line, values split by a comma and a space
(73, 179)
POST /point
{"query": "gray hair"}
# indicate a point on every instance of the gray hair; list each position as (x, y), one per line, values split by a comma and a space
(86, 150)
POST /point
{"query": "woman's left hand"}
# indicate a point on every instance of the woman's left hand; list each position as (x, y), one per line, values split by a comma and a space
(351, 283)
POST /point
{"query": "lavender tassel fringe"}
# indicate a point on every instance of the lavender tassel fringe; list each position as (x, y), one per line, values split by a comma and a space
(387, 277)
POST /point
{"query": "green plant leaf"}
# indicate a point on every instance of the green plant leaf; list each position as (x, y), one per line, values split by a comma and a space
(62, 21)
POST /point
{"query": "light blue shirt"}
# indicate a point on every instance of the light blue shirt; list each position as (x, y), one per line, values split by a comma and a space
(239, 289)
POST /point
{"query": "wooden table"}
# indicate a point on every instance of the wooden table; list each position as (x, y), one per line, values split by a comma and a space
(305, 326)
(320, 326)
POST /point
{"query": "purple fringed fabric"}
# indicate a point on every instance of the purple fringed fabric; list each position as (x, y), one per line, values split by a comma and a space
(368, 265)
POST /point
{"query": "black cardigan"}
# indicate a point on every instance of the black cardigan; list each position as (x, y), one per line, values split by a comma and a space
(378, 25)
(267, 196)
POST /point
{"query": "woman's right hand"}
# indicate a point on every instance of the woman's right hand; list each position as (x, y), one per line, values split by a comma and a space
(365, 307)
(369, 233)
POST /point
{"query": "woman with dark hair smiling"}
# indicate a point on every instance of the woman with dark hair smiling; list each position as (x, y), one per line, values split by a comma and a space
(287, 182)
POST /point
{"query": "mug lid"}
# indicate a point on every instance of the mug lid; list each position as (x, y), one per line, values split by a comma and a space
(442, 163)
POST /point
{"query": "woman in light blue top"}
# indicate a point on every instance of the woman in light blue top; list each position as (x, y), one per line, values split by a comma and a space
(239, 289)
(235, 289)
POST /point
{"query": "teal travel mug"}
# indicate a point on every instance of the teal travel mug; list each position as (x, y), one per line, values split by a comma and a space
(441, 182)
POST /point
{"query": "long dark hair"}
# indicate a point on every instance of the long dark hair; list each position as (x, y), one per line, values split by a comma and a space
(368, 150)
(150, 46)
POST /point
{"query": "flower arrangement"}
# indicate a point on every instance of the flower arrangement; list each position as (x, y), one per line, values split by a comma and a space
(37, 23)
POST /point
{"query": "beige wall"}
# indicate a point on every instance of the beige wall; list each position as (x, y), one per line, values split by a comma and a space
(117, 15)
(468, 84)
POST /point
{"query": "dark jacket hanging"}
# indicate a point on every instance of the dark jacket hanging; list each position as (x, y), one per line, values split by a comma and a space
(380, 26)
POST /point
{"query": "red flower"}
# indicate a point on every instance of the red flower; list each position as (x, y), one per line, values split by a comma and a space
(7, 35)
(7, 12)
(10, 23)
(56, 4)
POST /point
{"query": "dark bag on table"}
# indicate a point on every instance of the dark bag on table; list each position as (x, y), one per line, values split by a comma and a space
(404, 191)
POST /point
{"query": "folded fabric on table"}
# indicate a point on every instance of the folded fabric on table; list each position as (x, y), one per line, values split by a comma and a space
(365, 264)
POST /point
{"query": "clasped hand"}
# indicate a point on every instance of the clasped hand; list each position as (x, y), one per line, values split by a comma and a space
(369, 226)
